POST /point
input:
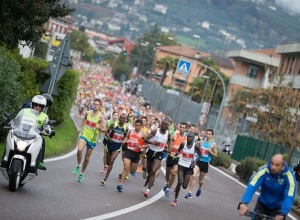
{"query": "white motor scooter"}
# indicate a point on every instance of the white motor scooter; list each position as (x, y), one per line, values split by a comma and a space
(19, 161)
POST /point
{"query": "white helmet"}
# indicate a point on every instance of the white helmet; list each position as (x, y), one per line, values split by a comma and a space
(39, 99)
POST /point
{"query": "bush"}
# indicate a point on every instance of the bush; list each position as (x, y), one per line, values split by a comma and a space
(10, 94)
(223, 160)
(247, 167)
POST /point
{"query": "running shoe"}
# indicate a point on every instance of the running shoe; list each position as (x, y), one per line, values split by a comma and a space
(41, 166)
(198, 193)
(144, 175)
(143, 189)
(103, 170)
(120, 188)
(126, 177)
(146, 194)
(165, 187)
(134, 174)
(167, 193)
(80, 178)
(188, 195)
(102, 182)
(174, 203)
(76, 170)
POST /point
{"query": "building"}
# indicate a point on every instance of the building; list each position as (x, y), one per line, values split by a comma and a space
(182, 81)
(118, 45)
(56, 30)
(290, 66)
(252, 69)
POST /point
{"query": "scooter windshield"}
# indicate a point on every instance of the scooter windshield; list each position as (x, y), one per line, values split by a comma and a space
(26, 132)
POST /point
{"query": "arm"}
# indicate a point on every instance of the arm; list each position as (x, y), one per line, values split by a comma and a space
(179, 148)
(82, 123)
(152, 133)
(289, 193)
(252, 186)
(101, 124)
(213, 150)
(107, 133)
(125, 135)
(168, 144)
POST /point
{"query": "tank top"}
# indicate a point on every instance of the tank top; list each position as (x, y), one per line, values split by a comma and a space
(158, 137)
(176, 143)
(187, 156)
(90, 132)
(117, 134)
(206, 156)
(135, 139)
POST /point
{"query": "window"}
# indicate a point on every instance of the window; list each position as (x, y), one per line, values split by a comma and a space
(252, 71)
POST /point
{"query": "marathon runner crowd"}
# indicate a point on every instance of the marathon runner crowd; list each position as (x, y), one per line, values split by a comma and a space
(126, 124)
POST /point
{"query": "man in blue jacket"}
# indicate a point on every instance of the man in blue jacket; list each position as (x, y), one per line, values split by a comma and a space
(277, 182)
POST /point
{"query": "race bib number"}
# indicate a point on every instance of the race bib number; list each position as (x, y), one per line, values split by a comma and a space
(204, 152)
(90, 124)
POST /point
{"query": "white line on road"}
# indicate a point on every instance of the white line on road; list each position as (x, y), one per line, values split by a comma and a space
(145, 203)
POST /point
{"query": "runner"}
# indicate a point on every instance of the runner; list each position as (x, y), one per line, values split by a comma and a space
(186, 163)
(116, 134)
(89, 129)
(159, 141)
(172, 159)
(135, 141)
(208, 149)
(113, 120)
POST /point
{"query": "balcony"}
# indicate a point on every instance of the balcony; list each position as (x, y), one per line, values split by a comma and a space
(179, 81)
(245, 81)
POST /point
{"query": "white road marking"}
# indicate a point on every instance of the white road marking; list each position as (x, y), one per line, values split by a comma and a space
(147, 202)
(131, 208)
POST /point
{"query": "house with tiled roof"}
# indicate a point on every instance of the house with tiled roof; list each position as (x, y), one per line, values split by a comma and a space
(182, 81)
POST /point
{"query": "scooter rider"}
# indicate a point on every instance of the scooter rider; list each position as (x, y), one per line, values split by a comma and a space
(38, 103)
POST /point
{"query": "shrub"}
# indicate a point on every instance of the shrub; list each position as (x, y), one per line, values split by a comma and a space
(10, 94)
(223, 160)
(247, 167)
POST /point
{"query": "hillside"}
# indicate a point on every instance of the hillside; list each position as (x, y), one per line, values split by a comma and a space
(246, 24)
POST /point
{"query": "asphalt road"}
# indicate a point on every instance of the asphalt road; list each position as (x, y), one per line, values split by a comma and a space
(56, 194)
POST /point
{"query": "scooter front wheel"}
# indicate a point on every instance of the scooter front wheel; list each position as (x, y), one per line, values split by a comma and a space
(15, 175)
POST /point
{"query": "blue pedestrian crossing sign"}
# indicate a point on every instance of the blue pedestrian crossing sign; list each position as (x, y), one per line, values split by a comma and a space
(184, 67)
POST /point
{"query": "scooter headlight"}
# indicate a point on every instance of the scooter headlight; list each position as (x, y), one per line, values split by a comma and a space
(21, 145)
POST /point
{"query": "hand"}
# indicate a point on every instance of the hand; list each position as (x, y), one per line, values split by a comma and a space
(243, 209)
(279, 217)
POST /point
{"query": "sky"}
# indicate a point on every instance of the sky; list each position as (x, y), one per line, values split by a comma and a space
(290, 5)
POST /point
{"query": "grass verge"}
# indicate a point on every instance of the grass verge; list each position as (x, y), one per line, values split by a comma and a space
(64, 141)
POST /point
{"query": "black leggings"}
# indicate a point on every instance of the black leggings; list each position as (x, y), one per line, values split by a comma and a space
(260, 208)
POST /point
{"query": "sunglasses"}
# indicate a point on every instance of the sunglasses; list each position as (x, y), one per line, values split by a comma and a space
(38, 105)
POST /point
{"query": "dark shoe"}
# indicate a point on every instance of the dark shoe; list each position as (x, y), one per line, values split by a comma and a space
(198, 193)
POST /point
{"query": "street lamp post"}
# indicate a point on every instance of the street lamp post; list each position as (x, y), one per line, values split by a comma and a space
(224, 92)
(205, 88)
(197, 37)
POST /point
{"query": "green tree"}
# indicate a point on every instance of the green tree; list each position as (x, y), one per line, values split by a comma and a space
(121, 69)
(142, 55)
(214, 90)
(25, 20)
(274, 108)
(79, 42)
